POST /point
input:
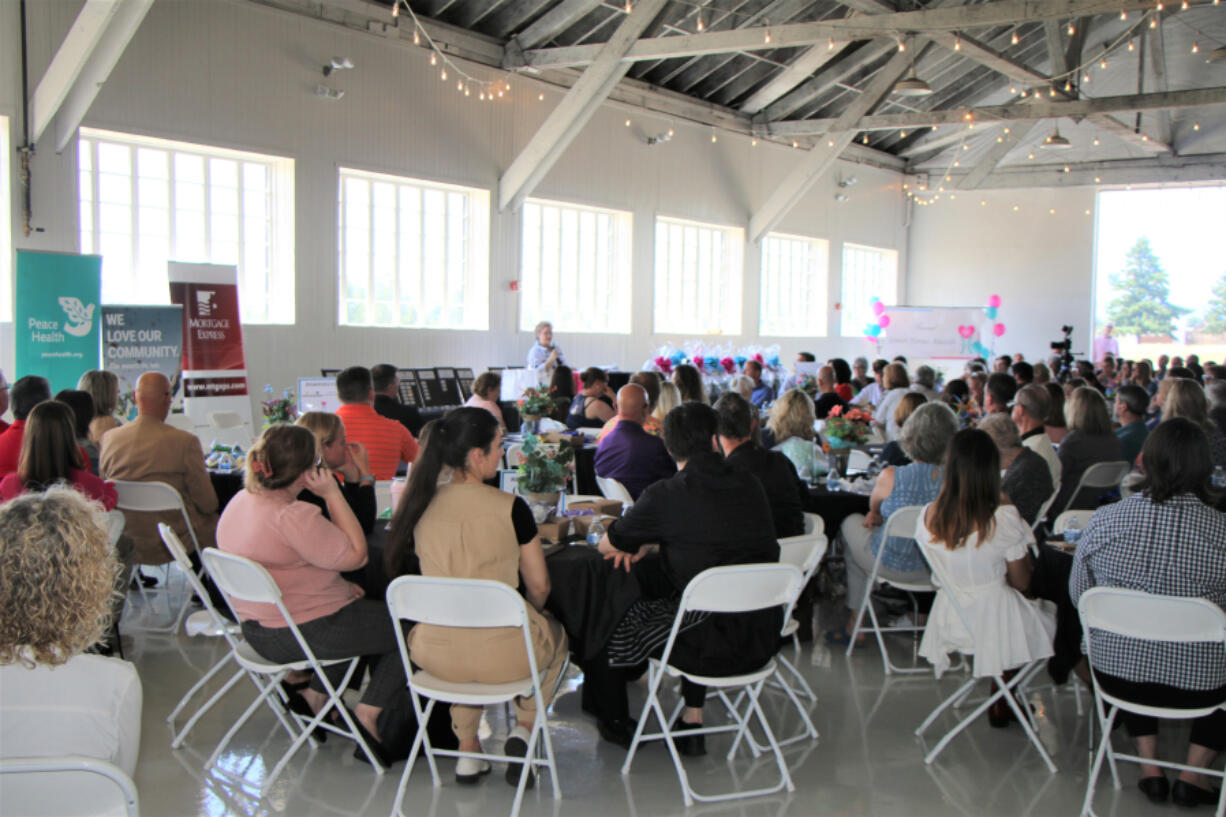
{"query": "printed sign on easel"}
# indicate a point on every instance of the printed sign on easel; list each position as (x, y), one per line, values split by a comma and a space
(214, 367)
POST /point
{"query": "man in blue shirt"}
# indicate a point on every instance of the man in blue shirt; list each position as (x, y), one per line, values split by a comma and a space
(762, 393)
(629, 454)
(1131, 403)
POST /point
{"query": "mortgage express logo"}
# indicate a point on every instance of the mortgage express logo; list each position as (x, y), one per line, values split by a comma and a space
(80, 320)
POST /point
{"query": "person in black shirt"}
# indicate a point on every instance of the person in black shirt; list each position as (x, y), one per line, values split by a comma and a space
(387, 399)
(735, 422)
(826, 398)
(709, 515)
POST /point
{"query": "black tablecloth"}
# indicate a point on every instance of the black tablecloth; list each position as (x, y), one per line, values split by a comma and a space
(588, 596)
(834, 506)
(226, 486)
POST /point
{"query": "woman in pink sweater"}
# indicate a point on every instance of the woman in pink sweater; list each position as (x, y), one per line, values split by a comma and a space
(305, 554)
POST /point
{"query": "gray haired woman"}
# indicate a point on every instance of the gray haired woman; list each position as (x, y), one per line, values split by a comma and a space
(924, 438)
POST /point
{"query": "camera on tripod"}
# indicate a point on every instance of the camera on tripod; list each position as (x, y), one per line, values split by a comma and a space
(1064, 348)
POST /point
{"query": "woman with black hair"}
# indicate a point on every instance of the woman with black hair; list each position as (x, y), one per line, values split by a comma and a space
(1166, 539)
(455, 525)
(82, 405)
(842, 379)
(592, 407)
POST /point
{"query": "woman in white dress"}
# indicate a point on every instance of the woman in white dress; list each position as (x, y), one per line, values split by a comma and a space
(978, 546)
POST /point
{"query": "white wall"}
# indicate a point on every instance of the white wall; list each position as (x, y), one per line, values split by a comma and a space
(1041, 264)
(228, 73)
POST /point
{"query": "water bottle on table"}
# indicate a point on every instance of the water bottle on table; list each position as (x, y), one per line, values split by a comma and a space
(832, 476)
(595, 531)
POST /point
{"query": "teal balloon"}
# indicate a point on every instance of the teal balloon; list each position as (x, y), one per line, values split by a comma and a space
(873, 329)
(991, 310)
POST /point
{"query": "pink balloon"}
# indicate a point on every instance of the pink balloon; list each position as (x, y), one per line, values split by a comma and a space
(998, 329)
(994, 300)
(883, 321)
(878, 307)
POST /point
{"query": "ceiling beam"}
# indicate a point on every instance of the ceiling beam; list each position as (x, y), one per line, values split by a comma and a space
(1157, 53)
(582, 101)
(895, 24)
(1158, 170)
(799, 70)
(1055, 46)
(997, 152)
(991, 114)
(827, 76)
(69, 60)
(98, 68)
(554, 22)
(819, 159)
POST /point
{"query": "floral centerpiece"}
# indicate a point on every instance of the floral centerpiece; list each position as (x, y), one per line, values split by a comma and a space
(845, 429)
(283, 409)
(543, 472)
(808, 384)
(536, 403)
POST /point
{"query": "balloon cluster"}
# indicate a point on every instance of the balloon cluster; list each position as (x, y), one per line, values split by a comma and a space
(991, 311)
(872, 329)
(716, 363)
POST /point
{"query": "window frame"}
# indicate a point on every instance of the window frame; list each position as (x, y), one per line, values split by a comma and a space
(734, 257)
(850, 327)
(820, 289)
(618, 289)
(6, 230)
(476, 248)
(279, 299)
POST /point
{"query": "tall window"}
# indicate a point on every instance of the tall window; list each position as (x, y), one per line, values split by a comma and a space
(793, 299)
(698, 277)
(6, 227)
(145, 201)
(868, 272)
(575, 268)
(413, 253)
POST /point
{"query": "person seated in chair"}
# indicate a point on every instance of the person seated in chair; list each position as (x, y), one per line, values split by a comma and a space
(736, 420)
(386, 382)
(1166, 539)
(59, 579)
(710, 514)
(628, 453)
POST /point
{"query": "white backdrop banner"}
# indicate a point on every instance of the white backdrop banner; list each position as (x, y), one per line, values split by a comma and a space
(936, 332)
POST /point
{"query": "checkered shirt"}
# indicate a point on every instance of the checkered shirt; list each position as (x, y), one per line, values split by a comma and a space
(1177, 548)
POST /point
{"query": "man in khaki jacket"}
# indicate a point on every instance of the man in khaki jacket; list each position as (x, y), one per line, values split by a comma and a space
(149, 450)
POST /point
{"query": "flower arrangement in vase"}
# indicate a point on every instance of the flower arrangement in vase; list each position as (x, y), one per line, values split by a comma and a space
(543, 472)
(847, 428)
(283, 409)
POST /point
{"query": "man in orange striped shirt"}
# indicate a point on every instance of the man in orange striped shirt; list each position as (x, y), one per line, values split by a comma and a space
(387, 442)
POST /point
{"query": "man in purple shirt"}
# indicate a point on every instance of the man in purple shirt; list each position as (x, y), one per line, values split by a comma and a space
(629, 454)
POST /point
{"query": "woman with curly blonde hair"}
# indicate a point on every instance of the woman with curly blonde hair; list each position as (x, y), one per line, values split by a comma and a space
(791, 421)
(57, 579)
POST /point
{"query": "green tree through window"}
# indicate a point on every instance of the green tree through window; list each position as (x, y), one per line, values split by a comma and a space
(1143, 305)
(1214, 320)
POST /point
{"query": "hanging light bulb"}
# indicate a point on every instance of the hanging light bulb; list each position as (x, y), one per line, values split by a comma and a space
(1007, 130)
(753, 143)
(627, 123)
(904, 134)
(1014, 39)
(1131, 47)
(1153, 22)
(629, 7)
(1123, 15)
(443, 75)
(481, 96)
(830, 44)
(957, 44)
(1195, 47)
(459, 86)
(768, 36)
(1096, 142)
(1068, 86)
(714, 138)
(433, 58)
(416, 37)
(701, 27)
(1195, 126)
(902, 46)
(1013, 90)
(1072, 29)
(1086, 77)
(540, 97)
(1183, 6)
(1103, 63)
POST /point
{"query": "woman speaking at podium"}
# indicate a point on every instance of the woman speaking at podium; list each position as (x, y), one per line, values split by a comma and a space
(545, 356)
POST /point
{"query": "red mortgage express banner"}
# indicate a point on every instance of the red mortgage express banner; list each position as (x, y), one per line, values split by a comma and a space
(212, 331)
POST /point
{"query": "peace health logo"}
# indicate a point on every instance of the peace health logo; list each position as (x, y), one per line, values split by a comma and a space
(80, 316)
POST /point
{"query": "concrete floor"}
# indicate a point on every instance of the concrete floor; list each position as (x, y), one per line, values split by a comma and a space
(866, 762)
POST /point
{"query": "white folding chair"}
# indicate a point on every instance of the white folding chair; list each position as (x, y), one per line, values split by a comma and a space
(1041, 516)
(805, 553)
(612, 489)
(154, 497)
(211, 624)
(901, 524)
(733, 589)
(245, 580)
(1147, 617)
(471, 603)
(1003, 688)
(858, 460)
(1103, 476)
(66, 786)
(1077, 520)
(514, 455)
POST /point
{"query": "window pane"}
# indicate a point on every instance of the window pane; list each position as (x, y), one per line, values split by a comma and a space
(574, 273)
(698, 277)
(793, 286)
(868, 272)
(156, 201)
(406, 253)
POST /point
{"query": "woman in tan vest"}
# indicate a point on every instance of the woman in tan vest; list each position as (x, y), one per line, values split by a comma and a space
(459, 527)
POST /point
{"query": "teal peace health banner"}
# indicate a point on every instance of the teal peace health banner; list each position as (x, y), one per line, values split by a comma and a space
(139, 339)
(57, 328)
